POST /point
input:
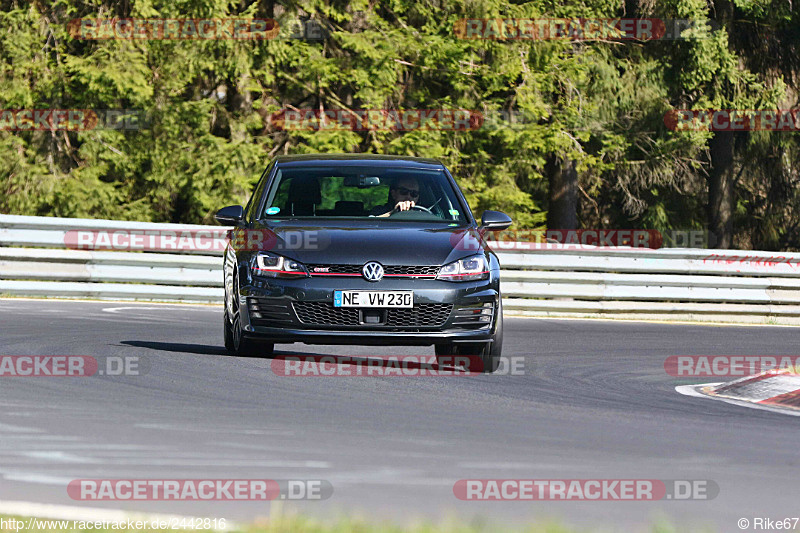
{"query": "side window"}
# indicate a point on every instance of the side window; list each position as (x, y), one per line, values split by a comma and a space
(255, 198)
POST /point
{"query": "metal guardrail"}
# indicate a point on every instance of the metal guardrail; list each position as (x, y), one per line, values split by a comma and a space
(725, 285)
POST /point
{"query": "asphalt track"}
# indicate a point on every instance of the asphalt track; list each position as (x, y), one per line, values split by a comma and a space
(594, 402)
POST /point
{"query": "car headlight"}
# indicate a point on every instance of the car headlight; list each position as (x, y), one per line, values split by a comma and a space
(277, 266)
(468, 269)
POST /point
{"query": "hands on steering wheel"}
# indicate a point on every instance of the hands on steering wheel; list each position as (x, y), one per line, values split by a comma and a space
(407, 206)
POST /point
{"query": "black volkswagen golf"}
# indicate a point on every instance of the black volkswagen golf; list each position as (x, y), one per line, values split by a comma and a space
(361, 249)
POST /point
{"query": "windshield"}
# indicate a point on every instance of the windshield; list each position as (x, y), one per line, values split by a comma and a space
(363, 192)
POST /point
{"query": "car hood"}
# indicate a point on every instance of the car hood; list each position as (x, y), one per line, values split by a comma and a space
(386, 243)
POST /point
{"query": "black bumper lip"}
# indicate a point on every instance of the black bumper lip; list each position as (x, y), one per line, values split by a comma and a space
(367, 337)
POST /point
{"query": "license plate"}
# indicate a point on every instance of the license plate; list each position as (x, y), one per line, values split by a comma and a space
(373, 298)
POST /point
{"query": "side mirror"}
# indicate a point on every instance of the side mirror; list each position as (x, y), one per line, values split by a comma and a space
(495, 220)
(230, 216)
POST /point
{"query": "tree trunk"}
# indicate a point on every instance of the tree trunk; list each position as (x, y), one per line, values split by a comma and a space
(720, 190)
(562, 212)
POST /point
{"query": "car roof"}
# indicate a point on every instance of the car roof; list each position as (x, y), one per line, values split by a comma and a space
(358, 159)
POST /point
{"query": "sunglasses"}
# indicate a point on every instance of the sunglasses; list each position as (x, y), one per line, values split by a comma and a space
(411, 192)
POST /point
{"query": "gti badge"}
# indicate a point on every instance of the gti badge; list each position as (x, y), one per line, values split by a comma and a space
(372, 271)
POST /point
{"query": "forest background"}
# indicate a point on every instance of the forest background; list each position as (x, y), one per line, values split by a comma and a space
(592, 150)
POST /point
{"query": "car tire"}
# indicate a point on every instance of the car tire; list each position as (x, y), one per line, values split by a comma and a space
(235, 341)
(445, 354)
(492, 352)
(445, 349)
(227, 332)
(489, 352)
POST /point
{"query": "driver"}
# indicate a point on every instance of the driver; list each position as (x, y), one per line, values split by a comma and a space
(403, 194)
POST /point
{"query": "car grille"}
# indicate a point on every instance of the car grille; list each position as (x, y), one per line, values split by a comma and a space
(325, 314)
(388, 270)
(411, 270)
(422, 315)
(269, 311)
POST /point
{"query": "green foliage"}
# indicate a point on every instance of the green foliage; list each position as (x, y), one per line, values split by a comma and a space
(209, 102)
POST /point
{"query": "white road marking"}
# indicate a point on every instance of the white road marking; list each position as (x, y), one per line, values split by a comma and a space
(37, 440)
(59, 457)
(38, 311)
(386, 476)
(149, 461)
(146, 459)
(18, 429)
(338, 482)
(182, 428)
(506, 466)
(116, 310)
(41, 479)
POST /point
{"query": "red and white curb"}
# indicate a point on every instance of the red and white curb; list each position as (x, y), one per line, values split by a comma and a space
(773, 390)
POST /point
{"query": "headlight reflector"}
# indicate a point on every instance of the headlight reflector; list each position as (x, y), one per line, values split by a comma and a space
(277, 266)
(467, 269)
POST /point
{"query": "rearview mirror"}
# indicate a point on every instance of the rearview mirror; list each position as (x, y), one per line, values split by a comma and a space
(362, 182)
(233, 215)
(495, 220)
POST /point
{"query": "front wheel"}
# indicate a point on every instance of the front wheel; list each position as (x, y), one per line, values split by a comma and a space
(445, 349)
(235, 341)
(227, 332)
(489, 352)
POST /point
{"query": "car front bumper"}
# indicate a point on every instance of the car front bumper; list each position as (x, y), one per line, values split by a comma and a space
(285, 322)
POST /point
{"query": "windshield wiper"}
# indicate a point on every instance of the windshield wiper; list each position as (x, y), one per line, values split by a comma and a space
(436, 202)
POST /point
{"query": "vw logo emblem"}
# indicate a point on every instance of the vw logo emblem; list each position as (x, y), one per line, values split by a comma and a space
(372, 271)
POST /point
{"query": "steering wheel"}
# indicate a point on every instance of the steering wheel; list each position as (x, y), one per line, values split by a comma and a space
(422, 208)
